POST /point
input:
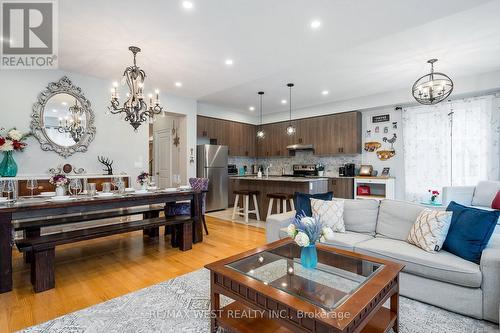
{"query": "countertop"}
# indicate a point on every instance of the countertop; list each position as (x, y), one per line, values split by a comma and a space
(280, 179)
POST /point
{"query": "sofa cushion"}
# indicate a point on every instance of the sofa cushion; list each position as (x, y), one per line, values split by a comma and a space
(395, 218)
(346, 240)
(329, 213)
(430, 229)
(495, 204)
(470, 231)
(485, 193)
(302, 202)
(441, 266)
(361, 215)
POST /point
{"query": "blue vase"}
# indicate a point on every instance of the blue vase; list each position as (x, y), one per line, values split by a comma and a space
(8, 167)
(309, 256)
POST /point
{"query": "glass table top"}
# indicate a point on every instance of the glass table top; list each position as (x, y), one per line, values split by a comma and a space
(329, 285)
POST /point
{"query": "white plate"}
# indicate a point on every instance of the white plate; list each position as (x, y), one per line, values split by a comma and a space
(130, 189)
(47, 194)
(62, 198)
(4, 201)
(104, 194)
(152, 188)
(140, 192)
(184, 187)
(170, 189)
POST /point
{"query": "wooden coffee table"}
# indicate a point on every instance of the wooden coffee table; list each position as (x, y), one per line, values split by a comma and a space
(272, 292)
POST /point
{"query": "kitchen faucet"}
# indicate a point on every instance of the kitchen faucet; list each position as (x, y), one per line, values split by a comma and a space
(267, 170)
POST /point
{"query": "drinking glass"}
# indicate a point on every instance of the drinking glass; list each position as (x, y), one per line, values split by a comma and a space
(91, 189)
(114, 181)
(75, 186)
(31, 184)
(121, 186)
(106, 187)
(8, 187)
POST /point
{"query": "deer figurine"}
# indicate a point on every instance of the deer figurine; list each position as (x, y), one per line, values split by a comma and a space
(107, 163)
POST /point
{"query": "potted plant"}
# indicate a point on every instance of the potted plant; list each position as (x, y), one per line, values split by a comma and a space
(59, 181)
(434, 196)
(143, 180)
(321, 169)
(11, 141)
(306, 232)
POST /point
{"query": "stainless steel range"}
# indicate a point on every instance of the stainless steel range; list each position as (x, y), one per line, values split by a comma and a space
(304, 170)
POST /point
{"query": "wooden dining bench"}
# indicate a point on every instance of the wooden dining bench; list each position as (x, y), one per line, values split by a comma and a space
(42, 247)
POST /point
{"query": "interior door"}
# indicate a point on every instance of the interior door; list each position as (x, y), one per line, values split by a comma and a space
(163, 158)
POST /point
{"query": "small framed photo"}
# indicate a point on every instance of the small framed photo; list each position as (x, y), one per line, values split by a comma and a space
(385, 172)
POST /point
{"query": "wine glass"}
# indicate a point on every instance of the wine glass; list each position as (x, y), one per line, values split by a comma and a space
(8, 187)
(31, 184)
(75, 186)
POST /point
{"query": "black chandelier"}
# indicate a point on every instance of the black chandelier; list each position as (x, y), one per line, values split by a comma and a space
(73, 123)
(432, 88)
(260, 132)
(135, 108)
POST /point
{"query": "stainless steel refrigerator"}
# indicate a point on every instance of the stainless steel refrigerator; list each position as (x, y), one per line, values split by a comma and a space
(212, 164)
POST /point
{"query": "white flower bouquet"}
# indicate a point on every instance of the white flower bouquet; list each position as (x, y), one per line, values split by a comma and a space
(307, 231)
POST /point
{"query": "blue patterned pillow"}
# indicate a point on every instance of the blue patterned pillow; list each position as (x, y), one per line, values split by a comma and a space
(470, 231)
(302, 202)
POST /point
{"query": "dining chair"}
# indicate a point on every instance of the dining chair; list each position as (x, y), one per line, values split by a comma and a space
(184, 207)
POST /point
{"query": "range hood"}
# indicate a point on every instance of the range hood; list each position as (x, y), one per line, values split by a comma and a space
(300, 146)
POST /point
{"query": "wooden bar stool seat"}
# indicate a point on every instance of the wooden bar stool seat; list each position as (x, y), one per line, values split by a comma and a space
(280, 197)
(245, 210)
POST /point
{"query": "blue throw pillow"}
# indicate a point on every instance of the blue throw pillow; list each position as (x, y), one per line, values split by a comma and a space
(302, 202)
(470, 231)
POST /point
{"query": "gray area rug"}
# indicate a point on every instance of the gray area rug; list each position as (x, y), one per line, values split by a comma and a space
(182, 305)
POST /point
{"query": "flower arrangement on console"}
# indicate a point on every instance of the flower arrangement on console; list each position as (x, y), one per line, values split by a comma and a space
(143, 179)
(306, 232)
(434, 195)
(59, 181)
(11, 141)
(321, 169)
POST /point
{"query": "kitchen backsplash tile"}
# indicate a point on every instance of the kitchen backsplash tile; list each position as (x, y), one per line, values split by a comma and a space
(331, 163)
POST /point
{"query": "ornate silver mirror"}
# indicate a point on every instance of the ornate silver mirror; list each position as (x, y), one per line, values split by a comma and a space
(62, 119)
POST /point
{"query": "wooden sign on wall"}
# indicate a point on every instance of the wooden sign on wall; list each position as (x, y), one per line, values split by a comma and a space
(380, 119)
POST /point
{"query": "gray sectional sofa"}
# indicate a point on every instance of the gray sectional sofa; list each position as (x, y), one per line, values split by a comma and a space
(380, 228)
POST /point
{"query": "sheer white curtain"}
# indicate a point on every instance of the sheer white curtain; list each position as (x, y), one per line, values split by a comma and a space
(434, 158)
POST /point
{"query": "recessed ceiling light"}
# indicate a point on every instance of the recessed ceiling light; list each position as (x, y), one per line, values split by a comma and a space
(54, 110)
(283, 101)
(251, 108)
(64, 103)
(187, 5)
(325, 92)
(178, 84)
(315, 24)
(229, 62)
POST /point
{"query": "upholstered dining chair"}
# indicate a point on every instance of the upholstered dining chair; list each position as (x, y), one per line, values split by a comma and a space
(184, 207)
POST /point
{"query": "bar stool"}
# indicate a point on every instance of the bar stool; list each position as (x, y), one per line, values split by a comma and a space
(245, 211)
(280, 197)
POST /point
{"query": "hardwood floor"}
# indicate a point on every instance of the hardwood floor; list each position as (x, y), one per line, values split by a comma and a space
(94, 271)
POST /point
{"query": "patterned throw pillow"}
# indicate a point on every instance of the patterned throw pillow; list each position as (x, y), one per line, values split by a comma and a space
(430, 229)
(330, 213)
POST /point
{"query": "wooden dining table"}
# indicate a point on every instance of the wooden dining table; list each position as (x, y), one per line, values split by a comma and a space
(44, 209)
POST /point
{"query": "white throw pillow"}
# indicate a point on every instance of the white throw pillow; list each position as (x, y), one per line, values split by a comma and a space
(329, 213)
(430, 229)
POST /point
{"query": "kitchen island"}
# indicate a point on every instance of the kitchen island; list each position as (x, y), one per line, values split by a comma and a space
(275, 184)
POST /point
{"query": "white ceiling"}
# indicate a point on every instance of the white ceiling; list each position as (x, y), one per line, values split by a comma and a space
(363, 47)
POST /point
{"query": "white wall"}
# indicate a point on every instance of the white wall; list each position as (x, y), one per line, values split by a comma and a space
(114, 138)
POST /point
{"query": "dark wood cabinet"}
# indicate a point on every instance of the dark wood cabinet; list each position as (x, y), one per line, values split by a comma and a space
(330, 135)
(239, 137)
(341, 187)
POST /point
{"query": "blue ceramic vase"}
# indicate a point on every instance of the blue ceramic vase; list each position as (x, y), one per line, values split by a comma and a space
(309, 256)
(8, 167)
